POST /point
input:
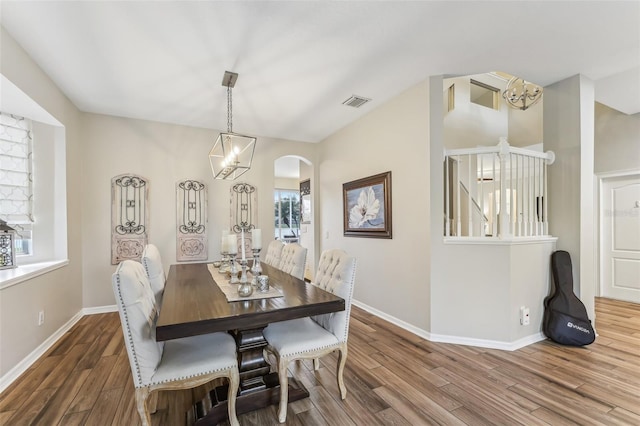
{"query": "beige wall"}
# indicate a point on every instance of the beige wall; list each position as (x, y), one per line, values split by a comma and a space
(617, 140)
(569, 133)
(58, 293)
(392, 274)
(286, 183)
(164, 154)
(470, 125)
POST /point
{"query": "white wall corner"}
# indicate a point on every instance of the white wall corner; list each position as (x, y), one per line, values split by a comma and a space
(456, 340)
(24, 365)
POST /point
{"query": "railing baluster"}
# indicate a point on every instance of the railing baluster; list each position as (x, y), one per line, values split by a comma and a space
(525, 193)
(538, 199)
(519, 180)
(481, 200)
(512, 217)
(531, 198)
(545, 201)
(470, 201)
(447, 225)
(519, 189)
(459, 221)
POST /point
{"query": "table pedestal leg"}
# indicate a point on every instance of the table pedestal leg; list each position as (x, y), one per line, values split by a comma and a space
(258, 387)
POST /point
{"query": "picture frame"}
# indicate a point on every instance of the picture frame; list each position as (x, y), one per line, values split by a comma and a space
(367, 207)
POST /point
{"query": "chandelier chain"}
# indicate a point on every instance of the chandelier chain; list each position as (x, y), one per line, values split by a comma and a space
(229, 113)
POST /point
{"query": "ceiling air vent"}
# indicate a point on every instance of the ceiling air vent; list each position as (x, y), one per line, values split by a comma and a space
(356, 101)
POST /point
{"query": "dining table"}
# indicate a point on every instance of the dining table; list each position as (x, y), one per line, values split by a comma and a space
(194, 303)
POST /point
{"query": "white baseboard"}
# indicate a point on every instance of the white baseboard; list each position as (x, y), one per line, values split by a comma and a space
(490, 344)
(100, 310)
(440, 338)
(24, 365)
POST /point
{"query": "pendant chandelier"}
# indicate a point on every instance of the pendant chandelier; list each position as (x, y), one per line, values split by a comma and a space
(521, 94)
(232, 153)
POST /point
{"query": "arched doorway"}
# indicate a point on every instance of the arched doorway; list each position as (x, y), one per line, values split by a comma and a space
(293, 207)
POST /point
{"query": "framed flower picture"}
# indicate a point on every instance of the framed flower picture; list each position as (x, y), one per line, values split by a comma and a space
(367, 207)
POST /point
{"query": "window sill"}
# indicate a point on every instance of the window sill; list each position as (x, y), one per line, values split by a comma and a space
(11, 277)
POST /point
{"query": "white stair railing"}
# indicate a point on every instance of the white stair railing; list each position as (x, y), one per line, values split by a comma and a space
(508, 183)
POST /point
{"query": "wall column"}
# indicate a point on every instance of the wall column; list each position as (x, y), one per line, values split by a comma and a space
(569, 132)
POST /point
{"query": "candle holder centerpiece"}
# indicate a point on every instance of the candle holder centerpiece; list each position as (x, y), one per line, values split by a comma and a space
(245, 289)
(233, 269)
(256, 269)
(232, 246)
(224, 251)
(224, 264)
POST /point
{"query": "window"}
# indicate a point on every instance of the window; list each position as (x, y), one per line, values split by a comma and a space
(16, 189)
(44, 233)
(483, 94)
(287, 215)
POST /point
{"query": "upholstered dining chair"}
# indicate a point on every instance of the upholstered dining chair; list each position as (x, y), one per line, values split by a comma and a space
(274, 252)
(175, 364)
(152, 263)
(313, 337)
(293, 260)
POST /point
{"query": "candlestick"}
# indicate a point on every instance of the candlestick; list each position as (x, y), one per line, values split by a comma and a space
(233, 270)
(245, 289)
(242, 242)
(243, 275)
(256, 269)
(256, 239)
(232, 244)
(224, 250)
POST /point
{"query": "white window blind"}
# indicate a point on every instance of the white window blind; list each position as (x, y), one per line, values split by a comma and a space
(16, 181)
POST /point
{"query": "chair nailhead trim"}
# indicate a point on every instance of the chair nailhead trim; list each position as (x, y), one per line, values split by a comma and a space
(129, 336)
(335, 346)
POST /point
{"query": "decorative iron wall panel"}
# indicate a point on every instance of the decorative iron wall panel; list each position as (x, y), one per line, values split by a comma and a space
(191, 233)
(244, 211)
(129, 217)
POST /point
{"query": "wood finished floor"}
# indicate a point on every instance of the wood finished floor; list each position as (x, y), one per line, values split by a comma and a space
(393, 378)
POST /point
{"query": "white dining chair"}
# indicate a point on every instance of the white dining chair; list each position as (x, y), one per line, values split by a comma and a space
(175, 364)
(274, 252)
(152, 263)
(293, 260)
(313, 337)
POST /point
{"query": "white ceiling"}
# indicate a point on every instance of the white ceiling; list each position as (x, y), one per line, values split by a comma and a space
(298, 61)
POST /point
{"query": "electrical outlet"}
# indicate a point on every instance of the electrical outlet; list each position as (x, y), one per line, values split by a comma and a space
(40, 317)
(524, 315)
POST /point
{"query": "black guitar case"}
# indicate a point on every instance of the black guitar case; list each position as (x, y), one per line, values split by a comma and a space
(565, 318)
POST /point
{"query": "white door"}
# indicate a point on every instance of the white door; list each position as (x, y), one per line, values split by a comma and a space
(620, 237)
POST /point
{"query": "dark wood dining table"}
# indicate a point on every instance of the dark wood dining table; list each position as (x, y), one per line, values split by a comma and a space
(193, 304)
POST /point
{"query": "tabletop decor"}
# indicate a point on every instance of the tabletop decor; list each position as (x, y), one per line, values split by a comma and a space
(232, 247)
(245, 288)
(232, 292)
(263, 283)
(224, 251)
(256, 246)
(367, 207)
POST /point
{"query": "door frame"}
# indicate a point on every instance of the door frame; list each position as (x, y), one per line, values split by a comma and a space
(602, 179)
